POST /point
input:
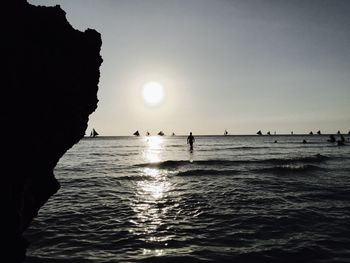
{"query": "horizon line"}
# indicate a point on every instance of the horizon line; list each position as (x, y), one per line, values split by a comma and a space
(257, 135)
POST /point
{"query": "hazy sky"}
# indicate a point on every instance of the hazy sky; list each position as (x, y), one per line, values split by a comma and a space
(240, 65)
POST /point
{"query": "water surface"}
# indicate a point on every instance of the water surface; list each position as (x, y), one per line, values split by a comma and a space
(234, 198)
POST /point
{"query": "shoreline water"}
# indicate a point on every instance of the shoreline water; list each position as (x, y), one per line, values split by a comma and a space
(150, 199)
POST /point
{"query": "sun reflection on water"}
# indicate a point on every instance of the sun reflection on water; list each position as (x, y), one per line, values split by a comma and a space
(154, 146)
(149, 204)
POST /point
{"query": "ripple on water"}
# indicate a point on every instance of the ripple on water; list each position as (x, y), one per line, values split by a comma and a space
(137, 200)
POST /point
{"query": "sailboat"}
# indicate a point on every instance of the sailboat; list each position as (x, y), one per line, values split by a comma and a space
(225, 133)
(93, 133)
(161, 133)
(147, 134)
(136, 133)
(259, 133)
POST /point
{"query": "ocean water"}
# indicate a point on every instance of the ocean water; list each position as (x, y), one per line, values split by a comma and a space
(233, 199)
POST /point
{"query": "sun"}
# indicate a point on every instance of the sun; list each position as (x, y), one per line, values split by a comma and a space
(153, 93)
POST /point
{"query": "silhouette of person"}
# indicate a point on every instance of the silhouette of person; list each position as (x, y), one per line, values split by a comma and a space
(190, 140)
(342, 139)
(331, 138)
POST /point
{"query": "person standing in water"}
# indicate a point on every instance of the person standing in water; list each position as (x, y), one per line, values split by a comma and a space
(190, 140)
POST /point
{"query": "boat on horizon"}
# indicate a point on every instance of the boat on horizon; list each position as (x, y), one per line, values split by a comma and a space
(319, 132)
(136, 133)
(93, 133)
(226, 132)
(311, 133)
(161, 133)
(268, 133)
(259, 132)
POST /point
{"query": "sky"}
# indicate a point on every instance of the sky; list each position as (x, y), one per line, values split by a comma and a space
(240, 65)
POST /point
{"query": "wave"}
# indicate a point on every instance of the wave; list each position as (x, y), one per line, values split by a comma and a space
(289, 169)
(235, 148)
(198, 172)
(274, 169)
(173, 164)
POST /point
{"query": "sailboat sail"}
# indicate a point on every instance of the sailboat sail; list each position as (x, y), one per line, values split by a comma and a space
(93, 133)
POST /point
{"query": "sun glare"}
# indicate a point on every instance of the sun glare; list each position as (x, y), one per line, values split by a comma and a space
(153, 93)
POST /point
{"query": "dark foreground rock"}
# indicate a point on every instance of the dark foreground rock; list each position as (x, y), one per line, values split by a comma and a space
(49, 89)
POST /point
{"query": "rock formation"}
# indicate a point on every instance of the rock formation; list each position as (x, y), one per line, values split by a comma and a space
(49, 89)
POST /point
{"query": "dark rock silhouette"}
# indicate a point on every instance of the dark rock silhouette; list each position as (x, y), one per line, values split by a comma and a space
(49, 88)
(259, 133)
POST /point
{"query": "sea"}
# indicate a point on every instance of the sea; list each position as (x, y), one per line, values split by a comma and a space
(231, 199)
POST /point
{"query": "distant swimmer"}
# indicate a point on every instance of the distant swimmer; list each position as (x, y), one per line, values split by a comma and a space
(190, 140)
(331, 138)
(341, 142)
(342, 139)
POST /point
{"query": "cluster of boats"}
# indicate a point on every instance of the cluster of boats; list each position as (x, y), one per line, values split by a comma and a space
(161, 133)
(310, 133)
(331, 139)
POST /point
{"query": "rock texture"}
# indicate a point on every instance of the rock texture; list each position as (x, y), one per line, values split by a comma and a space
(49, 89)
